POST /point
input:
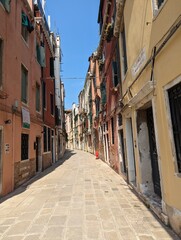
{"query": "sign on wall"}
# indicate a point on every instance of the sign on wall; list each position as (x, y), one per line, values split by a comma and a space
(25, 118)
(139, 62)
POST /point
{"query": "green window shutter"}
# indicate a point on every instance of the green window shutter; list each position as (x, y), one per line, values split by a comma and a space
(24, 19)
(6, 4)
(42, 57)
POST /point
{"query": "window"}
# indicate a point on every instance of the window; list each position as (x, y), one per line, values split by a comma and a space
(40, 55)
(174, 95)
(120, 120)
(115, 73)
(6, 4)
(1, 62)
(24, 30)
(51, 104)
(37, 97)
(112, 129)
(124, 53)
(24, 146)
(26, 26)
(44, 94)
(103, 93)
(24, 84)
(159, 2)
(52, 67)
(156, 5)
(47, 139)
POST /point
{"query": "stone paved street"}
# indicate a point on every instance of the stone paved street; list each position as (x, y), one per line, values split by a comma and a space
(81, 199)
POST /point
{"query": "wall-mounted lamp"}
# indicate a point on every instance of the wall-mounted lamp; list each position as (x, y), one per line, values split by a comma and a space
(7, 121)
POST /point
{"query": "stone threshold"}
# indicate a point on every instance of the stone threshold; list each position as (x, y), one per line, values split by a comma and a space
(153, 202)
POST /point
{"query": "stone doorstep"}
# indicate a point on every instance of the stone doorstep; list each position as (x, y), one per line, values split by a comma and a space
(155, 208)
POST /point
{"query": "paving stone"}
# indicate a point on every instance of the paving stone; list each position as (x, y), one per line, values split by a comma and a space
(82, 199)
(127, 233)
(74, 233)
(32, 237)
(112, 235)
(57, 220)
(18, 228)
(53, 233)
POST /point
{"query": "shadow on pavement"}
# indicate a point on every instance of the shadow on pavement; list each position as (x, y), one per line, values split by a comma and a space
(67, 155)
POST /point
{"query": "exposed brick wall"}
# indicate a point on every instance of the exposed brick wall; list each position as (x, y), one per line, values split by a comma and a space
(23, 171)
(46, 160)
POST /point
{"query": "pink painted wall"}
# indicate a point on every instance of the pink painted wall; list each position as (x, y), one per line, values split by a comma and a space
(16, 52)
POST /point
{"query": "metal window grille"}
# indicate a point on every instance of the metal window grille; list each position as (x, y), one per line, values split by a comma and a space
(24, 146)
(174, 94)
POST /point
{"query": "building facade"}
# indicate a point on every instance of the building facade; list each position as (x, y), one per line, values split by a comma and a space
(150, 102)
(23, 117)
(20, 119)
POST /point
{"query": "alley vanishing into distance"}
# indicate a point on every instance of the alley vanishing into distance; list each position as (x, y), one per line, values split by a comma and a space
(79, 198)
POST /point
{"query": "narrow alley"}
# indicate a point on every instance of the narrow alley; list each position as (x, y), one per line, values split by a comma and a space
(79, 198)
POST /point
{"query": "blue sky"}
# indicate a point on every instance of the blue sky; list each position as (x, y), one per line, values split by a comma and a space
(76, 23)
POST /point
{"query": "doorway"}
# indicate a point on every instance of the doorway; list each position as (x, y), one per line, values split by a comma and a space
(153, 152)
(121, 151)
(150, 175)
(130, 152)
(38, 154)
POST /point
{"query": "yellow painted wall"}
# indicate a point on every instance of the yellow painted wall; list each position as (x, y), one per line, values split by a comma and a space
(143, 29)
